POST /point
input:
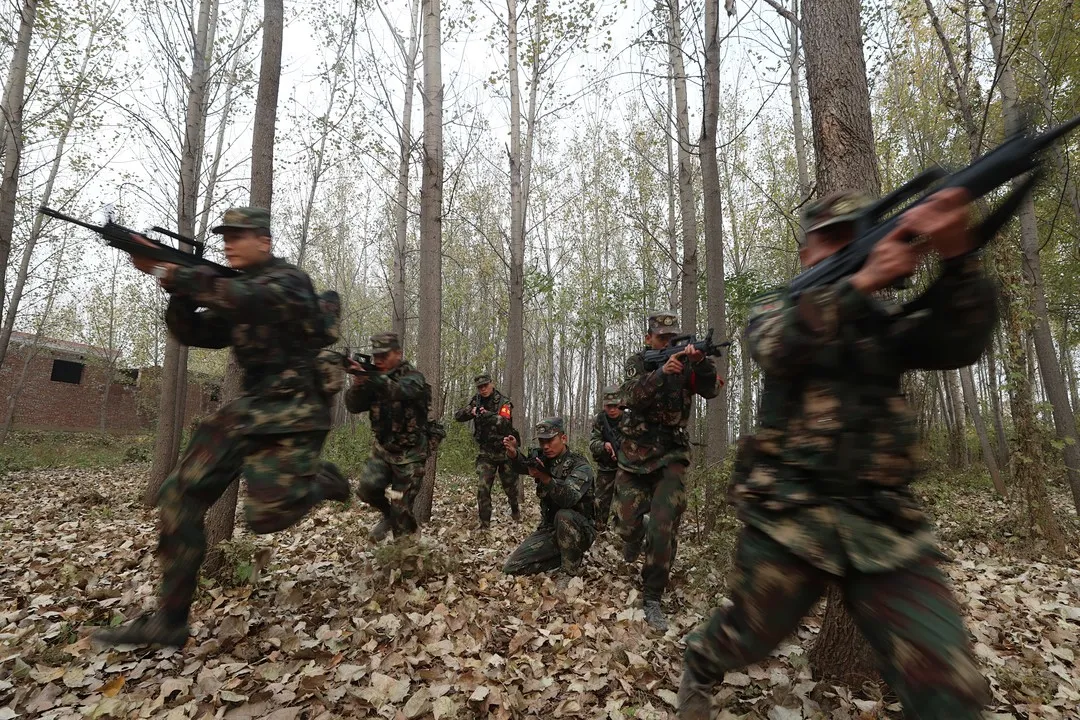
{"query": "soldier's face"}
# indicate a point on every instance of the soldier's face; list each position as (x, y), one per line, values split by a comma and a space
(613, 411)
(245, 248)
(552, 447)
(658, 341)
(486, 390)
(820, 244)
(386, 361)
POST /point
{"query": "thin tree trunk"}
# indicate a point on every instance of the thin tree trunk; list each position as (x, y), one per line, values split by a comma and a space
(687, 208)
(971, 398)
(796, 106)
(995, 401)
(431, 196)
(515, 334)
(672, 231)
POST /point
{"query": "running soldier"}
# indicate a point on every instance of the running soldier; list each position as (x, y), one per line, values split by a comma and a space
(397, 400)
(491, 415)
(604, 445)
(822, 485)
(272, 434)
(564, 485)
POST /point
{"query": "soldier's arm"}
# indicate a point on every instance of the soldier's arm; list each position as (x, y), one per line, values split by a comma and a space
(358, 397)
(517, 463)
(596, 441)
(407, 388)
(785, 336)
(271, 297)
(703, 379)
(641, 387)
(465, 413)
(567, 492)
(204, 329)
(953, 322)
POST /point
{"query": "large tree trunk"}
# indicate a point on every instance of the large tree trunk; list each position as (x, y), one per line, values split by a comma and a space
(11, 113)
(844, 148)
(431, 191)
(401, 201)
(1053, 383)
(717, 409)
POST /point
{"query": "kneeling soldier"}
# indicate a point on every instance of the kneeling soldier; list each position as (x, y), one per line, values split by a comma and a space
(564, 485)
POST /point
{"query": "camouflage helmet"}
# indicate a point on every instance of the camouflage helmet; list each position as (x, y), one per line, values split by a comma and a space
(839, 207)
(549, 428)
(482, 379)
(384, 343)
(664, 322)
(612, 395)
(244, 218)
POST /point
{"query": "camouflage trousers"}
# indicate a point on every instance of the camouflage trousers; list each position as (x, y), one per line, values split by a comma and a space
(280, 471)
(561, 545)
(662, 496)
(908, 616)
(486, 470)
(391, 489)
(605, 492)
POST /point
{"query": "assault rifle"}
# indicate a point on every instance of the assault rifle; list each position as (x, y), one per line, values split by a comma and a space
(1014, 157)
(656, 358)
(362, 359)
(120, 237)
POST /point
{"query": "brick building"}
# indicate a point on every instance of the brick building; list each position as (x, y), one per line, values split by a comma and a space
(60, 385)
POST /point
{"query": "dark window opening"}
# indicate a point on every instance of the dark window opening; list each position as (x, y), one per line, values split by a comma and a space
(215, 393)
(67, 372)
(131, 374)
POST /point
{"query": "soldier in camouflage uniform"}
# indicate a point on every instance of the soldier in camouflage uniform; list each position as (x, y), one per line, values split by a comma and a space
(564, 485)
(654, 455)
(604, 445)
(823, 484)
(272, 434)
(397, 399)
(492, 417)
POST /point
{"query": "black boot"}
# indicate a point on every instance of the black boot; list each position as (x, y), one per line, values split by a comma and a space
(151, 628)
(334, 485)
(380, 531)
(695, 697)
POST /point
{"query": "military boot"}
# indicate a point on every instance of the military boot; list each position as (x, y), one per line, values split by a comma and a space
(151, 628)
(380, 531)
(695, 697)
(654, 615)
(333, 483)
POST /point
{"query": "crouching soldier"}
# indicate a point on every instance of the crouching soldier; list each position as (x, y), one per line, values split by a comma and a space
(564, 485)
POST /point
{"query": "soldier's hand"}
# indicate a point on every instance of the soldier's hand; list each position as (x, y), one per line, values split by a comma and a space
(693, 354)
(357, 379)
(610, 449)
(510, 443)
(891, 259)
(943, 219)
(540, 475)
(673, 366)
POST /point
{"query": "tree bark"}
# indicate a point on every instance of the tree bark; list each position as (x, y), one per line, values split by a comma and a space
(515, 340)
(11, 113)
(971, 398)
(844, 149)
(687, 205)
(717, 409)
(995, 401)
(796, 106)
(431, 196)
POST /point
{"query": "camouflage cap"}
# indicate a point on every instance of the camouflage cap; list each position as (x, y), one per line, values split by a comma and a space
(384, 342)
(839, 207)
(549, 428)
(244, 218)
(664, 323)
(482, 379)
(612, 395)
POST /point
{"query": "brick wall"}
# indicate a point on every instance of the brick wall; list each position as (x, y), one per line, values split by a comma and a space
(57, 395)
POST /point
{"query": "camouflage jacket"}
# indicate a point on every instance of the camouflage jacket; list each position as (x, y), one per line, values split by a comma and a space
(397, 405)
(826, 472)
(653, 424)
(596, 440)
(491, 426)
(269, 316)
(571, 486)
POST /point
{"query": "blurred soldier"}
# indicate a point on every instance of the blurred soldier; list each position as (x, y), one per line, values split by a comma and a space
(564, 485)
(397, 400)
(604, 445)
(272, 434)
(491, 415)
(654, 455)
(823, 484)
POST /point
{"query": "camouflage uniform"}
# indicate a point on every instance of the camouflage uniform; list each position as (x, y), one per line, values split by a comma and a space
(606, 465)
(653, 457)
(566, 530)
(823, 488)
(489, 429)
(272, 434)
(397, 405)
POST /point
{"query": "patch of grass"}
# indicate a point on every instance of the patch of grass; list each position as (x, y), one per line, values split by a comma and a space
(414, 560)
(235, 561)
(348, 447)
(39, 450)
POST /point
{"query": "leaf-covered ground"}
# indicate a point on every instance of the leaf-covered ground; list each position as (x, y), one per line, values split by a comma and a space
(321, 624)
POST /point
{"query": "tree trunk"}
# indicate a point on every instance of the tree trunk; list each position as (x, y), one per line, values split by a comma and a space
(844, 149)
(515, 333)
(957, 441)
(672, 229)
(995, 401)
(796, 106)
(971, 399)
(687, 208)
(717, 409)
(431, 191)
(11, 113)
(1053, 383)
(401, 209)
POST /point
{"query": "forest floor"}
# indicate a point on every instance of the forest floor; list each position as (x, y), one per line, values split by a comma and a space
(321, 624)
